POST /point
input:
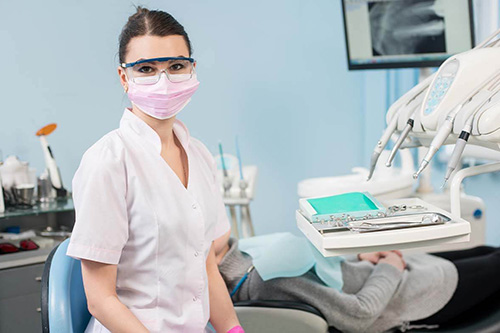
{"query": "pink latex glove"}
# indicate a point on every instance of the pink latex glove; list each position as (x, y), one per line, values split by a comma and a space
(236, 329)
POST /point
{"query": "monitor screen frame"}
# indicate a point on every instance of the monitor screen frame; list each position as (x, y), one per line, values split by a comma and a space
(401, 64)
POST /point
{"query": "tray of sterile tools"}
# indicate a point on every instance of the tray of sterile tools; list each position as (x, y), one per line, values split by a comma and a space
(396, 217)
(395, 224)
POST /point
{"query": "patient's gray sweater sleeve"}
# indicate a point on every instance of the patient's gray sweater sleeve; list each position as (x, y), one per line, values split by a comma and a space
(369, 302)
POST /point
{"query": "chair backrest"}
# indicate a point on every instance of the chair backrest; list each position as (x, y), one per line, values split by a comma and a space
(64, 306)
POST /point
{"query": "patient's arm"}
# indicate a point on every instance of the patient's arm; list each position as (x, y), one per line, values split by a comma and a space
(349, 312)
(369, 302)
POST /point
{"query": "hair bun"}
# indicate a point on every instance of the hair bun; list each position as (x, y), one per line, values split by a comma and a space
(139, 11)
(150, 22)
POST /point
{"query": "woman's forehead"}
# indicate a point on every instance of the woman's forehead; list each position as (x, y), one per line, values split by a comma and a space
(147, 47)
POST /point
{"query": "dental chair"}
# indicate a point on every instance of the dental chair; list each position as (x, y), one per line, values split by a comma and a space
(64, 307)
(63, 302)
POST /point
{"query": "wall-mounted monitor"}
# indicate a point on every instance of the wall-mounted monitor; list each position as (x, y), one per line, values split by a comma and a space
(406, 33)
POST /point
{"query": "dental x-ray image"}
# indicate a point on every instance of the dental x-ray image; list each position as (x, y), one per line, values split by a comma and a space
(407, 27)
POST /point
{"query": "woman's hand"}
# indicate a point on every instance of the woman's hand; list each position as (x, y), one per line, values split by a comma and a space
(394, 259)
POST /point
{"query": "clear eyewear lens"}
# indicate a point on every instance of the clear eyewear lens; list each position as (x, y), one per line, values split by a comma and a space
(180, 77)
(150, 73)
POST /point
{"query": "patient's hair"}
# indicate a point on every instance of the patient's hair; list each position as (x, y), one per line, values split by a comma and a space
(150, 22)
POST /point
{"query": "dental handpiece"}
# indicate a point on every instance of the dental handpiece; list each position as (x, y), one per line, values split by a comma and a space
(438, 140)
(382, 143)
(399, 142)
(458, 151)
(462, 140)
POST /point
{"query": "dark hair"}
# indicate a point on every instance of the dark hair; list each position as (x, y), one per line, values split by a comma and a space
(149, 22)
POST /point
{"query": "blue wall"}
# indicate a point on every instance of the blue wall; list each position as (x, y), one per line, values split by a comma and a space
(272, 72)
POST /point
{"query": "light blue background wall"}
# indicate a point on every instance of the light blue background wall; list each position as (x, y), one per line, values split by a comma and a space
(273, 72)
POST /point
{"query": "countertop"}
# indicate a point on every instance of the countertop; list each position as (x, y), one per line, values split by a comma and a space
(24, 258)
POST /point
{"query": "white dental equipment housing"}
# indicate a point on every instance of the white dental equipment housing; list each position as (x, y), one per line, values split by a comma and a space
(452, 83)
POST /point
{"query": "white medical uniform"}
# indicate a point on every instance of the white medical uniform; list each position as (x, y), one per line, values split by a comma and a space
(133, 211)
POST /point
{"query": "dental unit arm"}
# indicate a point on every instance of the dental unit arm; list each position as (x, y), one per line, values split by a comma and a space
(462, 87)
(393, 115)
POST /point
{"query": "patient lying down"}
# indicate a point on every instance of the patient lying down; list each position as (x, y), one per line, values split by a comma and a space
(378, 291)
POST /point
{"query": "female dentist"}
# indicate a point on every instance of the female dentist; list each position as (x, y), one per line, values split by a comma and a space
(147, 205)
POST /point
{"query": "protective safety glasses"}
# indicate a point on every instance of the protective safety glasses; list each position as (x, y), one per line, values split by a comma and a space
(148, 71)
(24, 245)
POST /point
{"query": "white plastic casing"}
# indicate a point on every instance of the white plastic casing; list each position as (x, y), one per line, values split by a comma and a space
(456, 80)
(407, 103)
(487, 124)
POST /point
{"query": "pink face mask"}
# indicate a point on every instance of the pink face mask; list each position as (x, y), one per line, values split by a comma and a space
(164, 99)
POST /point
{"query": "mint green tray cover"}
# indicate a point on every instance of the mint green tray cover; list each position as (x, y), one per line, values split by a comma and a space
(343, 203)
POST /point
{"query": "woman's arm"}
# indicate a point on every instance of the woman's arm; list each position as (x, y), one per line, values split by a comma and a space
(99, 281)
(222, 314)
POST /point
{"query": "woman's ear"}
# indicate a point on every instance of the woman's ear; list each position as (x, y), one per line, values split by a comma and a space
(123, 78)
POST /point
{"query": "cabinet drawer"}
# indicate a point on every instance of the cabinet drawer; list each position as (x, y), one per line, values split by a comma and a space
(20, 281)
(20, 314)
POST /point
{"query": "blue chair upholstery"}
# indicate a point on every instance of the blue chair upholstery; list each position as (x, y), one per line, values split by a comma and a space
(63, 303)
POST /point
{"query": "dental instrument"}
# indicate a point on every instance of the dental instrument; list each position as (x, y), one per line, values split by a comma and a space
(393, 114)
(441, 136)
(466, 131)
(240, 282)
(50, 162)
(411, 107)
(381, 144)
(400, 140)
(403, 221)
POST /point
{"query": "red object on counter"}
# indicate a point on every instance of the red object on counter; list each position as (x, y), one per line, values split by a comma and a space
(24, 245)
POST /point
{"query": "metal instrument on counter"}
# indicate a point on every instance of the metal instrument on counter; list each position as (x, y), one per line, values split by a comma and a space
(383, 223)
(394, 217)
(18, 182)
(398, 222)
